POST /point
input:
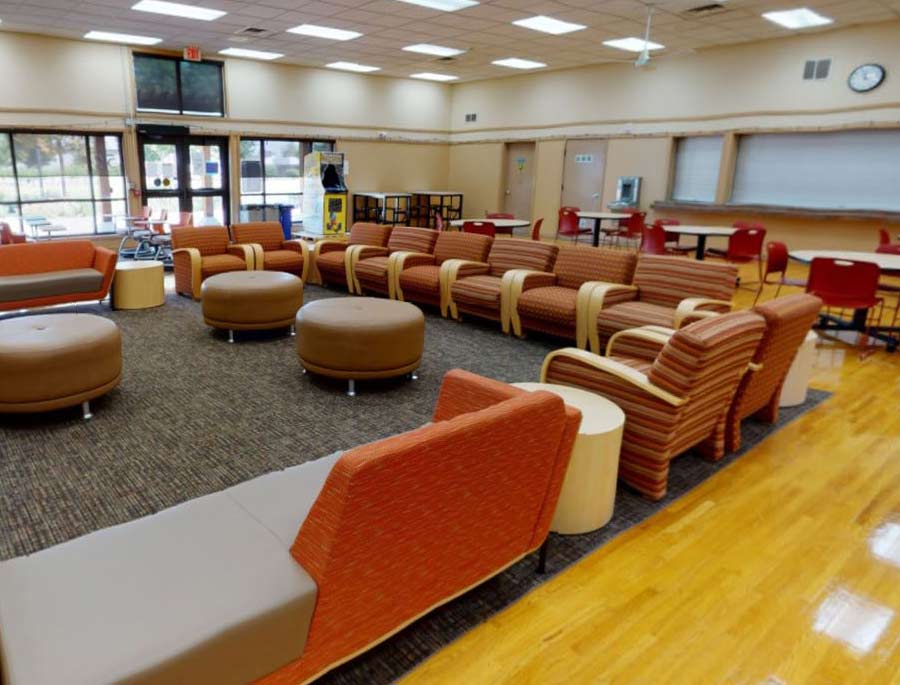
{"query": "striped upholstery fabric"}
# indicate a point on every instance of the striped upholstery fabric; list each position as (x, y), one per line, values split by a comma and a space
(372, 272)
(788, 320)
(576, 265)
(479, 295)
(331, 263)
(212, 243)
(283, 260)
(553, 305)
(404, 524)
(209, 240)
(266, 233)
(369, 234)
(220, 264)
(457, 245)
(702, 363)
(635, 349)
(421, 283)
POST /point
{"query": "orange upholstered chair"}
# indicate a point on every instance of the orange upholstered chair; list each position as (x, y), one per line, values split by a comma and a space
(674, 399)
(788, 320)
(667, 291)
(374, 267)
(419, 276)
(7, 237)
(271, 252)
(556, 303)
(484, 290)
(198, 253)
(330, 257)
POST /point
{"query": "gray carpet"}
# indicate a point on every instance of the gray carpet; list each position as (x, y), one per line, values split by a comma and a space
(194, 415)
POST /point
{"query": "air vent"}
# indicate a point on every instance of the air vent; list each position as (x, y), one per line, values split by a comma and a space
(711, 8)
(445, 59)
(816, 69)
(251, 31)
(471, 117)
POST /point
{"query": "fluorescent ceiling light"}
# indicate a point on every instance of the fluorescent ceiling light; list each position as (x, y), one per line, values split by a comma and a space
(250, 54)
(176, 9)
(443, 5)
(549, 25)
(324, 32)
(633, 44)
(517, 63)
(801, 18)
(121, 38)
(352, 66)
(428, 76)
(439, 50)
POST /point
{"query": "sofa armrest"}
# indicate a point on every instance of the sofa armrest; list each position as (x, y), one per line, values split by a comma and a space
(695, 308)
(592, 297)
(630, 376)
(301, 247)
(463, 392)
(322, 247)
(397, 262)
(513, 284)
(245, 252)
(451, 270)
(351, 257)
(257, 260)
(186, 262)
(105, 262)
(640, 343)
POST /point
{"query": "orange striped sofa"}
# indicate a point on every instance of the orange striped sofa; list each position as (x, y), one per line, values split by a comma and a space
(271, 252)
(556, 303)
(201, 252)
(418, 278)
(54, 272)
(673, 400)
(373, 270)
(330, 257)
(788, 320)
(667, 291)
(484, 290)
(281, 578)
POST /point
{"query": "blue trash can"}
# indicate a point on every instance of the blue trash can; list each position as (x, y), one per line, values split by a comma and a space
(284, 216)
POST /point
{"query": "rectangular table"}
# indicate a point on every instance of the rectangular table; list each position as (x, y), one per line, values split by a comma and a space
(702, 232)
(598, 217)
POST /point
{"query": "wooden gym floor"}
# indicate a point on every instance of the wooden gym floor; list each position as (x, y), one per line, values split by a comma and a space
(782, 569)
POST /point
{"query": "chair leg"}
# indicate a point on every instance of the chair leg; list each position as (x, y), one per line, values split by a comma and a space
(542, 556)
(86, 411)
(351, 388)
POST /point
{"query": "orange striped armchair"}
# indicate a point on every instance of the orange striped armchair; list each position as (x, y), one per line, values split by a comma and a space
(374, 266)
(556, 303)
(330, 257)
(271, 252)
(198, 253)
(418, 276)
(484, 290)
(675, 394)
(667, 291)
(788, 320)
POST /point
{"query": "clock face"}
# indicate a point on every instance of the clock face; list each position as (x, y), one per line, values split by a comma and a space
(866, 77)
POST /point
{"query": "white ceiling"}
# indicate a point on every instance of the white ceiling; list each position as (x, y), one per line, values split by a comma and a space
(484, 30)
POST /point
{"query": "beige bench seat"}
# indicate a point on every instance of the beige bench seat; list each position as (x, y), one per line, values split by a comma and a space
(49, 284)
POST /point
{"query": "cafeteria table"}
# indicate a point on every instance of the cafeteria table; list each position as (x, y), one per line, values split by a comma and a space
(502, 225)
(701, 232)
(598, 217)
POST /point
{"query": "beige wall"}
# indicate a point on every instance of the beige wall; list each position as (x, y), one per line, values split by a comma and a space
(644, 157)
(477, 171)
(548, 175)
(383, 167)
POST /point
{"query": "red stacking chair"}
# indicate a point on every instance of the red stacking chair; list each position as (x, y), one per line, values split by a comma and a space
(568, 224)
(777, 263)
(631, 228)
(844, 284)
(673, 238)
(482, 227)
(745, 245)
(536, 229)
(7, 237)
(653, 239)
(885, 246)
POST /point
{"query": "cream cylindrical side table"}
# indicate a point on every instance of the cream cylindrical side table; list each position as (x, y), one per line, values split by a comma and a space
(589, 489)
(793, 392)
(138, 284)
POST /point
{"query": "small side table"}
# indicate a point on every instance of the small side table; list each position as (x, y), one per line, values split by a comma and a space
(589, 490)
(796, 383)
(138, 285)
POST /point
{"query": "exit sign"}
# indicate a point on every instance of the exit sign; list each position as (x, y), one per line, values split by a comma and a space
(192, 53)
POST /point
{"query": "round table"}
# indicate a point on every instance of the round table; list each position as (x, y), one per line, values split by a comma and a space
(502, 225)
(138, 285)
(589, 490)
(796, 383)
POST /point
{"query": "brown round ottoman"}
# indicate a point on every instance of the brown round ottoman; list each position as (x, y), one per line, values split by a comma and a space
(57, 360)
(358, 338)
(251, 300)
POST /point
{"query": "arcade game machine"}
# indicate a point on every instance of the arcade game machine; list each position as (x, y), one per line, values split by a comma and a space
(324, 194)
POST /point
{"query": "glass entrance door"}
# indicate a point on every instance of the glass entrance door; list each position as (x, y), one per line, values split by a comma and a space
(186, 174)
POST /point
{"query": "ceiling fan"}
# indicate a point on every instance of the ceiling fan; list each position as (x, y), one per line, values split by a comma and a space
(644, 58)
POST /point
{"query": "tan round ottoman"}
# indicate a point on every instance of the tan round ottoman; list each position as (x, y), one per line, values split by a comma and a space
(358, 338)
(57, 360)
(251, 300)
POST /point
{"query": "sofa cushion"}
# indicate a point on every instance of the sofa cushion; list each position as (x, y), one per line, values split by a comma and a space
(372, 269)
(480, 291)
(43, 256)
(331, 263)
(618, 317)
(576, 264)
(551, 303)
(421, 279)
(221, 263)
(282, 260)
(49, 284)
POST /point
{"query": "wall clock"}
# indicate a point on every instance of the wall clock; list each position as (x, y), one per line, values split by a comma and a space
(866, 77)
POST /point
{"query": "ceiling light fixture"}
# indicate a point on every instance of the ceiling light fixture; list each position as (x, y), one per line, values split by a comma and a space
(250, 54)
(443, 5)
(324, 32)
(633, 44)
(428, 49)
(176, 9)
(428, 76)
(352, 66)
(802, 18)
(546, 24)
(518, 63)
(109, 37)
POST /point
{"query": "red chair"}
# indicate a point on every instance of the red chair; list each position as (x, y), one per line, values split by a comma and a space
(885, 246)
(673, 238)
(536, 229)
(777, 263)
(633, 228)
(653, 239)
(568, 224)
(744, 246)
(7, 237)
(499, 215)
(846, 284)
(481, 227)
(439, 221)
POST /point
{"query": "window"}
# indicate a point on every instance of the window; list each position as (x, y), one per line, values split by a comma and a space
(71, 180)
(176, 86)
(697, 162)
(272, 173)
(831, 170)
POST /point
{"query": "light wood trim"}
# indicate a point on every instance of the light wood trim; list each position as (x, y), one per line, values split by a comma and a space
(642, 333)
(689, 306)
(510, 291)
(449, 272)
(196, 272)
(396, 263)
(614, 368)
(314, 276)
(591, 310)
(726, 167)
(248, 252)
(351, 257)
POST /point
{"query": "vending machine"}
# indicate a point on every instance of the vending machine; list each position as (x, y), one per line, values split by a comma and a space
(324, 194)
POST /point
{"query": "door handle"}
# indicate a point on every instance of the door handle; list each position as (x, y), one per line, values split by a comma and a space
(508, 192)
(595, 195)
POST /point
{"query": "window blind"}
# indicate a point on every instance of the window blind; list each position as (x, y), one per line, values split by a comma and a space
(697, 168)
